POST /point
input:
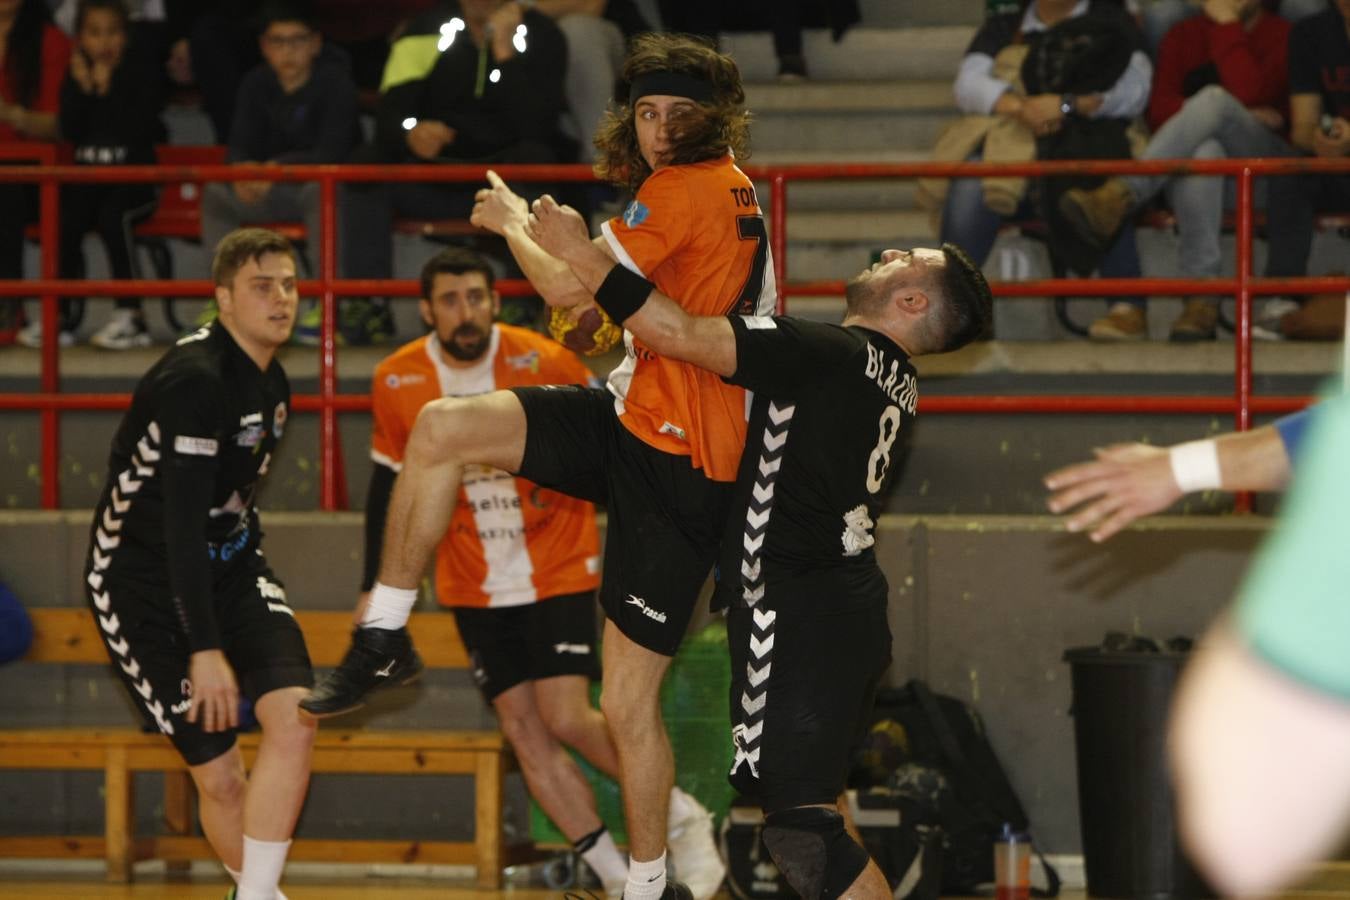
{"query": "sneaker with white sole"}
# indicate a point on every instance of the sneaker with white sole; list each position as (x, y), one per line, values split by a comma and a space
(31, 336)
(1267, 324)
(693, 849)
(124, 331)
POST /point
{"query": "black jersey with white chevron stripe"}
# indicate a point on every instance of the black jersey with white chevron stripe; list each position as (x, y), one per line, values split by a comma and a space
(204, 418)
(832, 414)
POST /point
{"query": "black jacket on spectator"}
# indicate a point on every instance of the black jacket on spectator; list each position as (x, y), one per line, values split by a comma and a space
(317, 123)
(1083, 55)
(429, 76)
(122, 126)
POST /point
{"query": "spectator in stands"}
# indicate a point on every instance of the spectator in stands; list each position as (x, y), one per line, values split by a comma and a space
(1158, 17)
(364, 30)
(295, 107)
(110, 105)
(1016, 113)
(33, 58)
(785, 19)
(596, 32)
(1319, 84)
(1221, 91)
(473, 81)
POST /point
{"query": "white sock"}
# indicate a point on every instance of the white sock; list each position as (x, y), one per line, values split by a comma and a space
(646, 880)
(605, 860)
(263, 862)
(389, 607)
(237, 875)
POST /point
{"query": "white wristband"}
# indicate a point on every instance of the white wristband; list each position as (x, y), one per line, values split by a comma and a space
(1195, 466)
(389, 606)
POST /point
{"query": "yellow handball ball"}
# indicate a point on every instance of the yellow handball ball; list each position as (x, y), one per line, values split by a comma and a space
(590, 334)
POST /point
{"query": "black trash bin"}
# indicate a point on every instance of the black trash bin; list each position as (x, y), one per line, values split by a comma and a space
(1125, 803)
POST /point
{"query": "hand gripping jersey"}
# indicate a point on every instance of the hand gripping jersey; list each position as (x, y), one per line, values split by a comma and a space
(510, 542)
(696, 232)
(177, 508)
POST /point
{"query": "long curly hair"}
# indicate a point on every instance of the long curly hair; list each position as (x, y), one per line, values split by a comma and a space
(706, 132)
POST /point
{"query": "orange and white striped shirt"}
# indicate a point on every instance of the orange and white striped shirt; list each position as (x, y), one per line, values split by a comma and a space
(697, 232)
(510, 542)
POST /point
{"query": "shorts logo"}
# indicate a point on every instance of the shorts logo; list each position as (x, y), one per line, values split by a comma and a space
(635, 214)
(578, 649)
(667, 428)
(653, 614)
(195, 446)
(184, 688)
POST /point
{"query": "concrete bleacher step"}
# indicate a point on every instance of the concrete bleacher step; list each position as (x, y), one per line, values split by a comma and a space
(902, 13)
(862, 54)
(862, 117)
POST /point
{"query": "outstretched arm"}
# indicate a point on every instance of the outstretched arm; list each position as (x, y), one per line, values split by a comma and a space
(504, 212)
(1127, 481)
(659, 322)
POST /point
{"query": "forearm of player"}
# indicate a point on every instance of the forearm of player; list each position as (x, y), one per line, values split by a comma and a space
(550, 276)
(187, 504)
(706, 341)
(1254, 460)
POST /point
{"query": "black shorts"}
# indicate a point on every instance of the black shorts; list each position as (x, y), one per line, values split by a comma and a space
(805, 665)
(259, 636)
(665, 517)
(510, 645)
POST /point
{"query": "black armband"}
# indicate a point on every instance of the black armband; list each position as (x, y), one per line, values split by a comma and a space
(622, 293)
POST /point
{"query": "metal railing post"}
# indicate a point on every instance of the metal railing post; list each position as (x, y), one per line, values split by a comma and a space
(1242, 327)
(50, 245)
(330, 464)
(778, 239)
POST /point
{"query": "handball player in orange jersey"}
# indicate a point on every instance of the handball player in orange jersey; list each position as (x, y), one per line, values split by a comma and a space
(660, 447)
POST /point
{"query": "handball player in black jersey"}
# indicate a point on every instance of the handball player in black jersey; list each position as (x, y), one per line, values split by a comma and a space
(833, 409)
(190, 612)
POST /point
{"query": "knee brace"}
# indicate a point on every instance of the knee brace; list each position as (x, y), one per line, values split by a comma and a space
(813, 851)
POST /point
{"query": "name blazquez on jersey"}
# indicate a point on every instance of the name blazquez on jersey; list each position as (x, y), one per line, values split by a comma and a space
(903, 390)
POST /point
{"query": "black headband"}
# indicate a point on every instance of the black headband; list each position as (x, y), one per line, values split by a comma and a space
(671, 84)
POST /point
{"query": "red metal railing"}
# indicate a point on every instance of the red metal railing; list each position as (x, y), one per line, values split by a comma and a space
(50, 402)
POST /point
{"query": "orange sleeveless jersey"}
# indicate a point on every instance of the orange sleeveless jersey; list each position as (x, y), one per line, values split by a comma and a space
(510, 541)
(697, 232)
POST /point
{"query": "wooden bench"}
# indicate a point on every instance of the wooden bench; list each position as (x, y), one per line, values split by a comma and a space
(69, 635)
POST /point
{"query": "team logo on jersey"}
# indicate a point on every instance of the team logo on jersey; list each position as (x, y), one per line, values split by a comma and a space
(635, 214)
(279, 419)
(195, 446)
(394, 381)
(858, 527)
(251, 431)
(528, 362)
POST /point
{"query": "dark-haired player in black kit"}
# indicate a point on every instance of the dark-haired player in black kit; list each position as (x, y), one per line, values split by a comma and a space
(833, 408)
(191, 614)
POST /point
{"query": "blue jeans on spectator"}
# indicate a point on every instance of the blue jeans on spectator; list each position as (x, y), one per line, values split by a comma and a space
(974, 227)
(1211, 125)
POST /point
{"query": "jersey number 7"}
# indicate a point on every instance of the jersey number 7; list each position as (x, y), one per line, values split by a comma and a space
(751, 228)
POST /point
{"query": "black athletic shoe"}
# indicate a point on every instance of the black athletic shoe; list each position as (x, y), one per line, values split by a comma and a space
(676, 890)
(378, 658)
